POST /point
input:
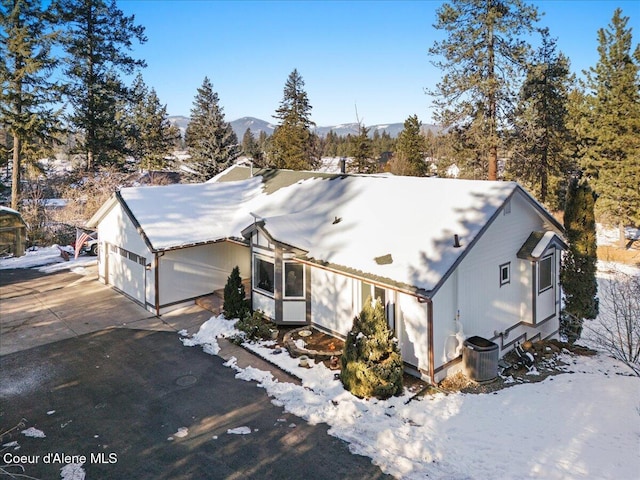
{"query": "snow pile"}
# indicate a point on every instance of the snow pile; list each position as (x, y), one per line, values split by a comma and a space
(576, 425)
(33, 433)
(209, 333)
(239, 431)
(72, 471)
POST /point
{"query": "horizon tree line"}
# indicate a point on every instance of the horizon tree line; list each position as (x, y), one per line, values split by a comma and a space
(498, 98)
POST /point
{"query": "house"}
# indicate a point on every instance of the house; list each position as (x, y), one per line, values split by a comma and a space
(13, 232)
(448, 258)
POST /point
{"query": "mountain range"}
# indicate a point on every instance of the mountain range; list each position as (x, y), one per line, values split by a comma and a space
(256, 126)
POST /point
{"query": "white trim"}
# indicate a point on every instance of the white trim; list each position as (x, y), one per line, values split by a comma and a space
(255, 287)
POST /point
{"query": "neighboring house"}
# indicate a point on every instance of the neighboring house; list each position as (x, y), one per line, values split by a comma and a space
(448, 258)
(13, 232)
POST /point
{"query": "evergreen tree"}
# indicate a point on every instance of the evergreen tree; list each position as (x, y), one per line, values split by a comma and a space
(483, 55)
(250, 147)
(292, 144)
(96, 39)
(212, 144)
(27, 95)
(611, 141)
(235, 304)
(578, 275)
(382, 144)
(362, 153)
(411, 147)
(540, 159)
(371, 361)
(151, 136)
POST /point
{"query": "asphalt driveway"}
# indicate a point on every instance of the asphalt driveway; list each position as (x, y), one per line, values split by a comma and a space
(133, 401)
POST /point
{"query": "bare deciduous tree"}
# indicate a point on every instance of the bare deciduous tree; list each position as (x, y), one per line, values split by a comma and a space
(617, 328)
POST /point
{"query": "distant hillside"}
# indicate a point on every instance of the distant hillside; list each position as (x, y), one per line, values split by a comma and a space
(180, 122)
(256, 126)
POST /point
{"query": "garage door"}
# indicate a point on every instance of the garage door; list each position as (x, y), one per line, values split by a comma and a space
(127, 272)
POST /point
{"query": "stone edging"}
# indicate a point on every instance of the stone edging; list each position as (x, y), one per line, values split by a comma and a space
(296, 351)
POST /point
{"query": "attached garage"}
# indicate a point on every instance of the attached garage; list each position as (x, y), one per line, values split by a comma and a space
(166, 246)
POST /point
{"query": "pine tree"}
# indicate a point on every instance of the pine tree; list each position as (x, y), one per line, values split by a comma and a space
(611, 148)
(361, 152)
(371, 361)
(235, 304)
(27, 96)
(411, 147)
(540, 159)
(250, 147)
(292, 144)
(578, 274)
(483, 54)
(212, 143)
(96, 39)
(151, 136)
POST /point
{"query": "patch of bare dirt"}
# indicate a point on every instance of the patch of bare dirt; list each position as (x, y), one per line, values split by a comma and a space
(536, 362)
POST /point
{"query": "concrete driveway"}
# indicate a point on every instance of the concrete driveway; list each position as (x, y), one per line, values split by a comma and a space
(133, 402)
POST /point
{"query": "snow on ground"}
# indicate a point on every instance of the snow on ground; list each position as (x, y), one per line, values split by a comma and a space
(48, 260)
(33, 433)
(72, 471)
(580, 425)
(610, 236)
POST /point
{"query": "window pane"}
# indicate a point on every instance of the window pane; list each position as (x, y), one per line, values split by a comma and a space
(365, 293)
(380, 293)
(545, 272)
(505, 274)
(293, 280)
(264, 275)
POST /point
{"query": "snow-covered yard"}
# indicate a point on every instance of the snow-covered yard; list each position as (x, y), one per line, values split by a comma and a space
(583, 424)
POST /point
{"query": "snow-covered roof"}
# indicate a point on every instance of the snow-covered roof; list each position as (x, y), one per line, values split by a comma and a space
(399, 230)
(538, 243)
(395, 228)
(173, 216)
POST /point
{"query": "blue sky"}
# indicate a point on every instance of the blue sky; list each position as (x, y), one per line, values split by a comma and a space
(369, 55)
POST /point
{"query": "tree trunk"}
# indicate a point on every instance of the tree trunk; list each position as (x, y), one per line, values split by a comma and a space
(15, 174)
(622, 241)
(493, 162)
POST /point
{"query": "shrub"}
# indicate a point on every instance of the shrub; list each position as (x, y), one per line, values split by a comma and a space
(371, 361)
(235, 305)
(255, 326)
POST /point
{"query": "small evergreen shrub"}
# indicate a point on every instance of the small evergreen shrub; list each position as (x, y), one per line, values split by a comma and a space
(255, 326)
(371, 361)
(235, 305)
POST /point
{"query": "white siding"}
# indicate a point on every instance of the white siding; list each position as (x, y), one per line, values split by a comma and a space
(294, 311)
(412, 331)
(485, 307)
(265, 304)
(332, 301)
(117, 229)
(191, 272)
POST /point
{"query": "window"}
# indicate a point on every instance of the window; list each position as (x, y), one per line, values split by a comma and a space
(293, 280)
(263, 275)
(505, 273)
(545, 274)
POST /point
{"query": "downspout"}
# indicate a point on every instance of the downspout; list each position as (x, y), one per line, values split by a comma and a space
(432, 375)
(157, 283)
